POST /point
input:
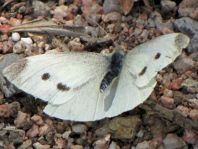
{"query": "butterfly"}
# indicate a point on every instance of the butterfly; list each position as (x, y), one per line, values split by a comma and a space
(88, 86)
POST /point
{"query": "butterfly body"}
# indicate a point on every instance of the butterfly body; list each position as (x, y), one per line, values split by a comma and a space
(89, 86)
(115, 67)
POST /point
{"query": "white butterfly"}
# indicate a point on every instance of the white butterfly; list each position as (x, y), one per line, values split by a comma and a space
(90, 86)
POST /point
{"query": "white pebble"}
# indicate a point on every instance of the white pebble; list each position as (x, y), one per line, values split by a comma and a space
(27, 40)
(16, 37)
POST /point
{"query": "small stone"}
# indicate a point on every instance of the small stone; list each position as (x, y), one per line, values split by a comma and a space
(79, 128)
(16, 37)
(43, 130)
(189, 27)
(26, 144)
(33, 132)
(124, 127)
(112, 17)
(37, 119)
(60, 143)
(190, 85)
(66, 134)
(167, 101)
(22, 120)
(183, 110)
(143, 145)
(189, 8)
(111, 6)
(76, 147)
(194, 114)
(167, 5)
(172, 141)
(15, 22)
(168, 93)
(183, 64)
(37, 145)
(60, 12)
(27, 41)
(190, 136)
(102, 143)
(113, 145)
(75, 45)
(18, 47)
(16, 137)
(40, 8)
(176, 84)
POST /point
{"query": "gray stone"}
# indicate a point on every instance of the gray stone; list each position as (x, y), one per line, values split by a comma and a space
(111, 5)
(190, 85)
(79, 128)
(183, 64)
(172, 141)
(40, 8)
(167, 5)
(189, 27)
(7, 88)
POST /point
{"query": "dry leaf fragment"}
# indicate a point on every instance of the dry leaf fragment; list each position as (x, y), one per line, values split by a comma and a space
(127, 5)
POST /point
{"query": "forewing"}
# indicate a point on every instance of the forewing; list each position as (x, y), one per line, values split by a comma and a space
(56, 77)
(145, 60)
(137, 78)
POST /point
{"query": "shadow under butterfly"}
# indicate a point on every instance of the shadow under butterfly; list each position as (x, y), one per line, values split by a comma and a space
(86, 86)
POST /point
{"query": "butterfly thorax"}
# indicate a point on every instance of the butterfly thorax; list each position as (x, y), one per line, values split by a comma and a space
(114, 69)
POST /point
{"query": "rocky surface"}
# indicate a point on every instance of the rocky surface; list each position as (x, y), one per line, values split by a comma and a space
(167, 120)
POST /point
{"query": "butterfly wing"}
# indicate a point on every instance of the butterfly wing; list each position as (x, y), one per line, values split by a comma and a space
(69, 82)
(137, 78)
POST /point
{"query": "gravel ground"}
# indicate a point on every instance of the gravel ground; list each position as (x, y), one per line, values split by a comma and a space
(167, 120)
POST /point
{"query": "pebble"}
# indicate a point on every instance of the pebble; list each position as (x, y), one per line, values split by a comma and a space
(18, 47)
(189, 27)
(188, 8)
(27, 41)
(43, 130)
(124, 127)
(22, 120)
(168, 93)
(172, 141)
(26, 144)
(167, 101)
(167, 5)
(66, 134)
(190, 136)
(79, 128)
(6, 87)
(37, 119)
(111, 5)
(183, 110)
(38, 145)
(76, 147)
(16, 37)
(183, 64)
(190, 85)
(75, 45)
(194, 114)
(33, 132)
(40, 8)
(112, 17)
(113, 145)
(60, 12)
(143, 145)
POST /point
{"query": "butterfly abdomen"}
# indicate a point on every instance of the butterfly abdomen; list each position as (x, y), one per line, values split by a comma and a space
(114, 69)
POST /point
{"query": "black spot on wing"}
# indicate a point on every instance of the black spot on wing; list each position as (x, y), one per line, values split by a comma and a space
(157, 56)
(143, 71)
(45, 76)
(62, 87)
